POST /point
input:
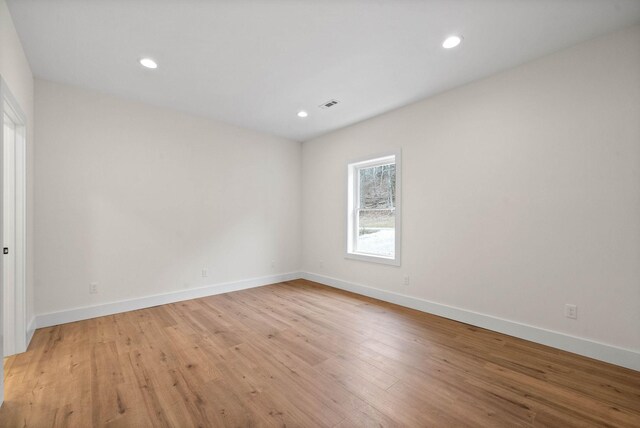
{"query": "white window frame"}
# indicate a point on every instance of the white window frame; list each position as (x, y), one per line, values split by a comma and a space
(353, 190)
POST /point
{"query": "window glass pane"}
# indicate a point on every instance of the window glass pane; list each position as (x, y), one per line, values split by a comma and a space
(376, 210)
(376, 232)
(378, 186)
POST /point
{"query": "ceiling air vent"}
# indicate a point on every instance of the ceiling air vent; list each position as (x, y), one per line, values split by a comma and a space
(328, 104)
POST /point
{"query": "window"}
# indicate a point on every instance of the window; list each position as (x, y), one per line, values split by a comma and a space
(373, 218)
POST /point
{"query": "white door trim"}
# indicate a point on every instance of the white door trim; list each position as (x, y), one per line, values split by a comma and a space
(16, 309)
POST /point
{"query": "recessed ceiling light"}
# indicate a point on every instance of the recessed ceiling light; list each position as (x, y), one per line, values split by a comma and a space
(148, 62)
(302, 113)
(451, 42)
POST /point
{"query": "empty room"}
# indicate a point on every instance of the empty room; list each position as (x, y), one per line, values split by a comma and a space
(320, 213)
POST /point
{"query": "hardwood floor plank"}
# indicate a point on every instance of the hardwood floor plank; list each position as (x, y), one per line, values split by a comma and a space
(299, 354)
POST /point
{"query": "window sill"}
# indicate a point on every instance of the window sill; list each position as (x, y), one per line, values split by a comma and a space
(373, 259)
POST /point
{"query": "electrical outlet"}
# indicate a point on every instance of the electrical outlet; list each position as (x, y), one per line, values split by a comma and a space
(405, 280)
(571, 311)
(205, 272)
(273, 263)
(321, 263)
(93, 288)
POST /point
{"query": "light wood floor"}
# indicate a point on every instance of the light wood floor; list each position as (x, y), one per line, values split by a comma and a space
(301, 354)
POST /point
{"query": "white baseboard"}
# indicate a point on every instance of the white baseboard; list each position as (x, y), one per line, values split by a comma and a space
(88, 312)
(599, 351)
(31, 328)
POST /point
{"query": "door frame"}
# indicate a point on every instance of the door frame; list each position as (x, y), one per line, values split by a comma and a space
(17, 309)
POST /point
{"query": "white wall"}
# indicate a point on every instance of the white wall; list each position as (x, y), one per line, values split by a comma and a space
(15, 70)
(521, 193)
(140, 199)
